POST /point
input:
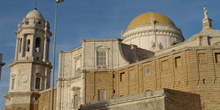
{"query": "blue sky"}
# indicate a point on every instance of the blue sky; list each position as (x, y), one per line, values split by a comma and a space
(94, 19)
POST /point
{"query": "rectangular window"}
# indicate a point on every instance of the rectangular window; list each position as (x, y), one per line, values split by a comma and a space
(178, 61)
(217, 57)
(101, 95)
(37, 83)
(122, 76)
(101, 58)
(147, 70)
(76, 97)
(12, 84)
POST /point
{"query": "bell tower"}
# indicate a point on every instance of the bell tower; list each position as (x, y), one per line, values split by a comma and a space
(31, 69)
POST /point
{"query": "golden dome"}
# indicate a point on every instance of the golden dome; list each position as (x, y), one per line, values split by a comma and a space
(146, 20)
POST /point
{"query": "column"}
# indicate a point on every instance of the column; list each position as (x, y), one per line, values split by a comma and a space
(83, 88)
(58, 96)
(32, 46)
(23, 46)
(45, 48)
(48, 48)
(16, 50)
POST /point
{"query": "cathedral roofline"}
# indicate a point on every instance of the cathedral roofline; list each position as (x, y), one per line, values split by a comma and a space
(165, 55)
(100, 40)
(210, 33)
(68, 51)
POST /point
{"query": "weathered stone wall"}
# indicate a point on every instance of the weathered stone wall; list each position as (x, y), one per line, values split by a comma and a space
(178, 100)
(19, 107)
(21, 101)
(44, 100)
(98, 81)
(161, 99)
(190, 70)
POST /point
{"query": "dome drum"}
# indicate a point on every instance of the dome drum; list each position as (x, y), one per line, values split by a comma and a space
(34, 19)
(159, 30)
(33, 22)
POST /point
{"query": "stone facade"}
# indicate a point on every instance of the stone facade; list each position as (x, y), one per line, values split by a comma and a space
(126, 73)
(128, 69)
(44, 100)
(192, 70)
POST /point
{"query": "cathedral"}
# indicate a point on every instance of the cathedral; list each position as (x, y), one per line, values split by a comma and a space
(150, 67)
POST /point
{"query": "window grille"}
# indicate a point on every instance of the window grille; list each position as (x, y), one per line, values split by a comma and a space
(101, 58)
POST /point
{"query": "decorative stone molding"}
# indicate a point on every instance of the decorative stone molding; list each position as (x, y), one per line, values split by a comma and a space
(13, 75)
(151, 32)
(24, 78)
(217, 43)
(68, 79)
(75, 88)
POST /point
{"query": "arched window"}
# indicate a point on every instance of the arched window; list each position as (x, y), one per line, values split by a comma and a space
(37, 45)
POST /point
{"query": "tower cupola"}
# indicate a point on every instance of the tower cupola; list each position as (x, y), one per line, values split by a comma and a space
(33, 37)
(31, 69)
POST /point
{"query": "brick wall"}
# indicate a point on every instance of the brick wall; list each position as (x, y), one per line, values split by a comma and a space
(195, 70)
(160, 99)
(98, 81)
(44, 100)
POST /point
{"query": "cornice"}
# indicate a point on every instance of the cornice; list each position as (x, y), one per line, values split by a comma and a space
(152, 32)
(31, 61)
(10, 94)
(68, 79)
(101, 40)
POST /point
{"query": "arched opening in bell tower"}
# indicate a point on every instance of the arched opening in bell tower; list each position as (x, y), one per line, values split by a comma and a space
(28, 45)
(37, 45)
(20, 44)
